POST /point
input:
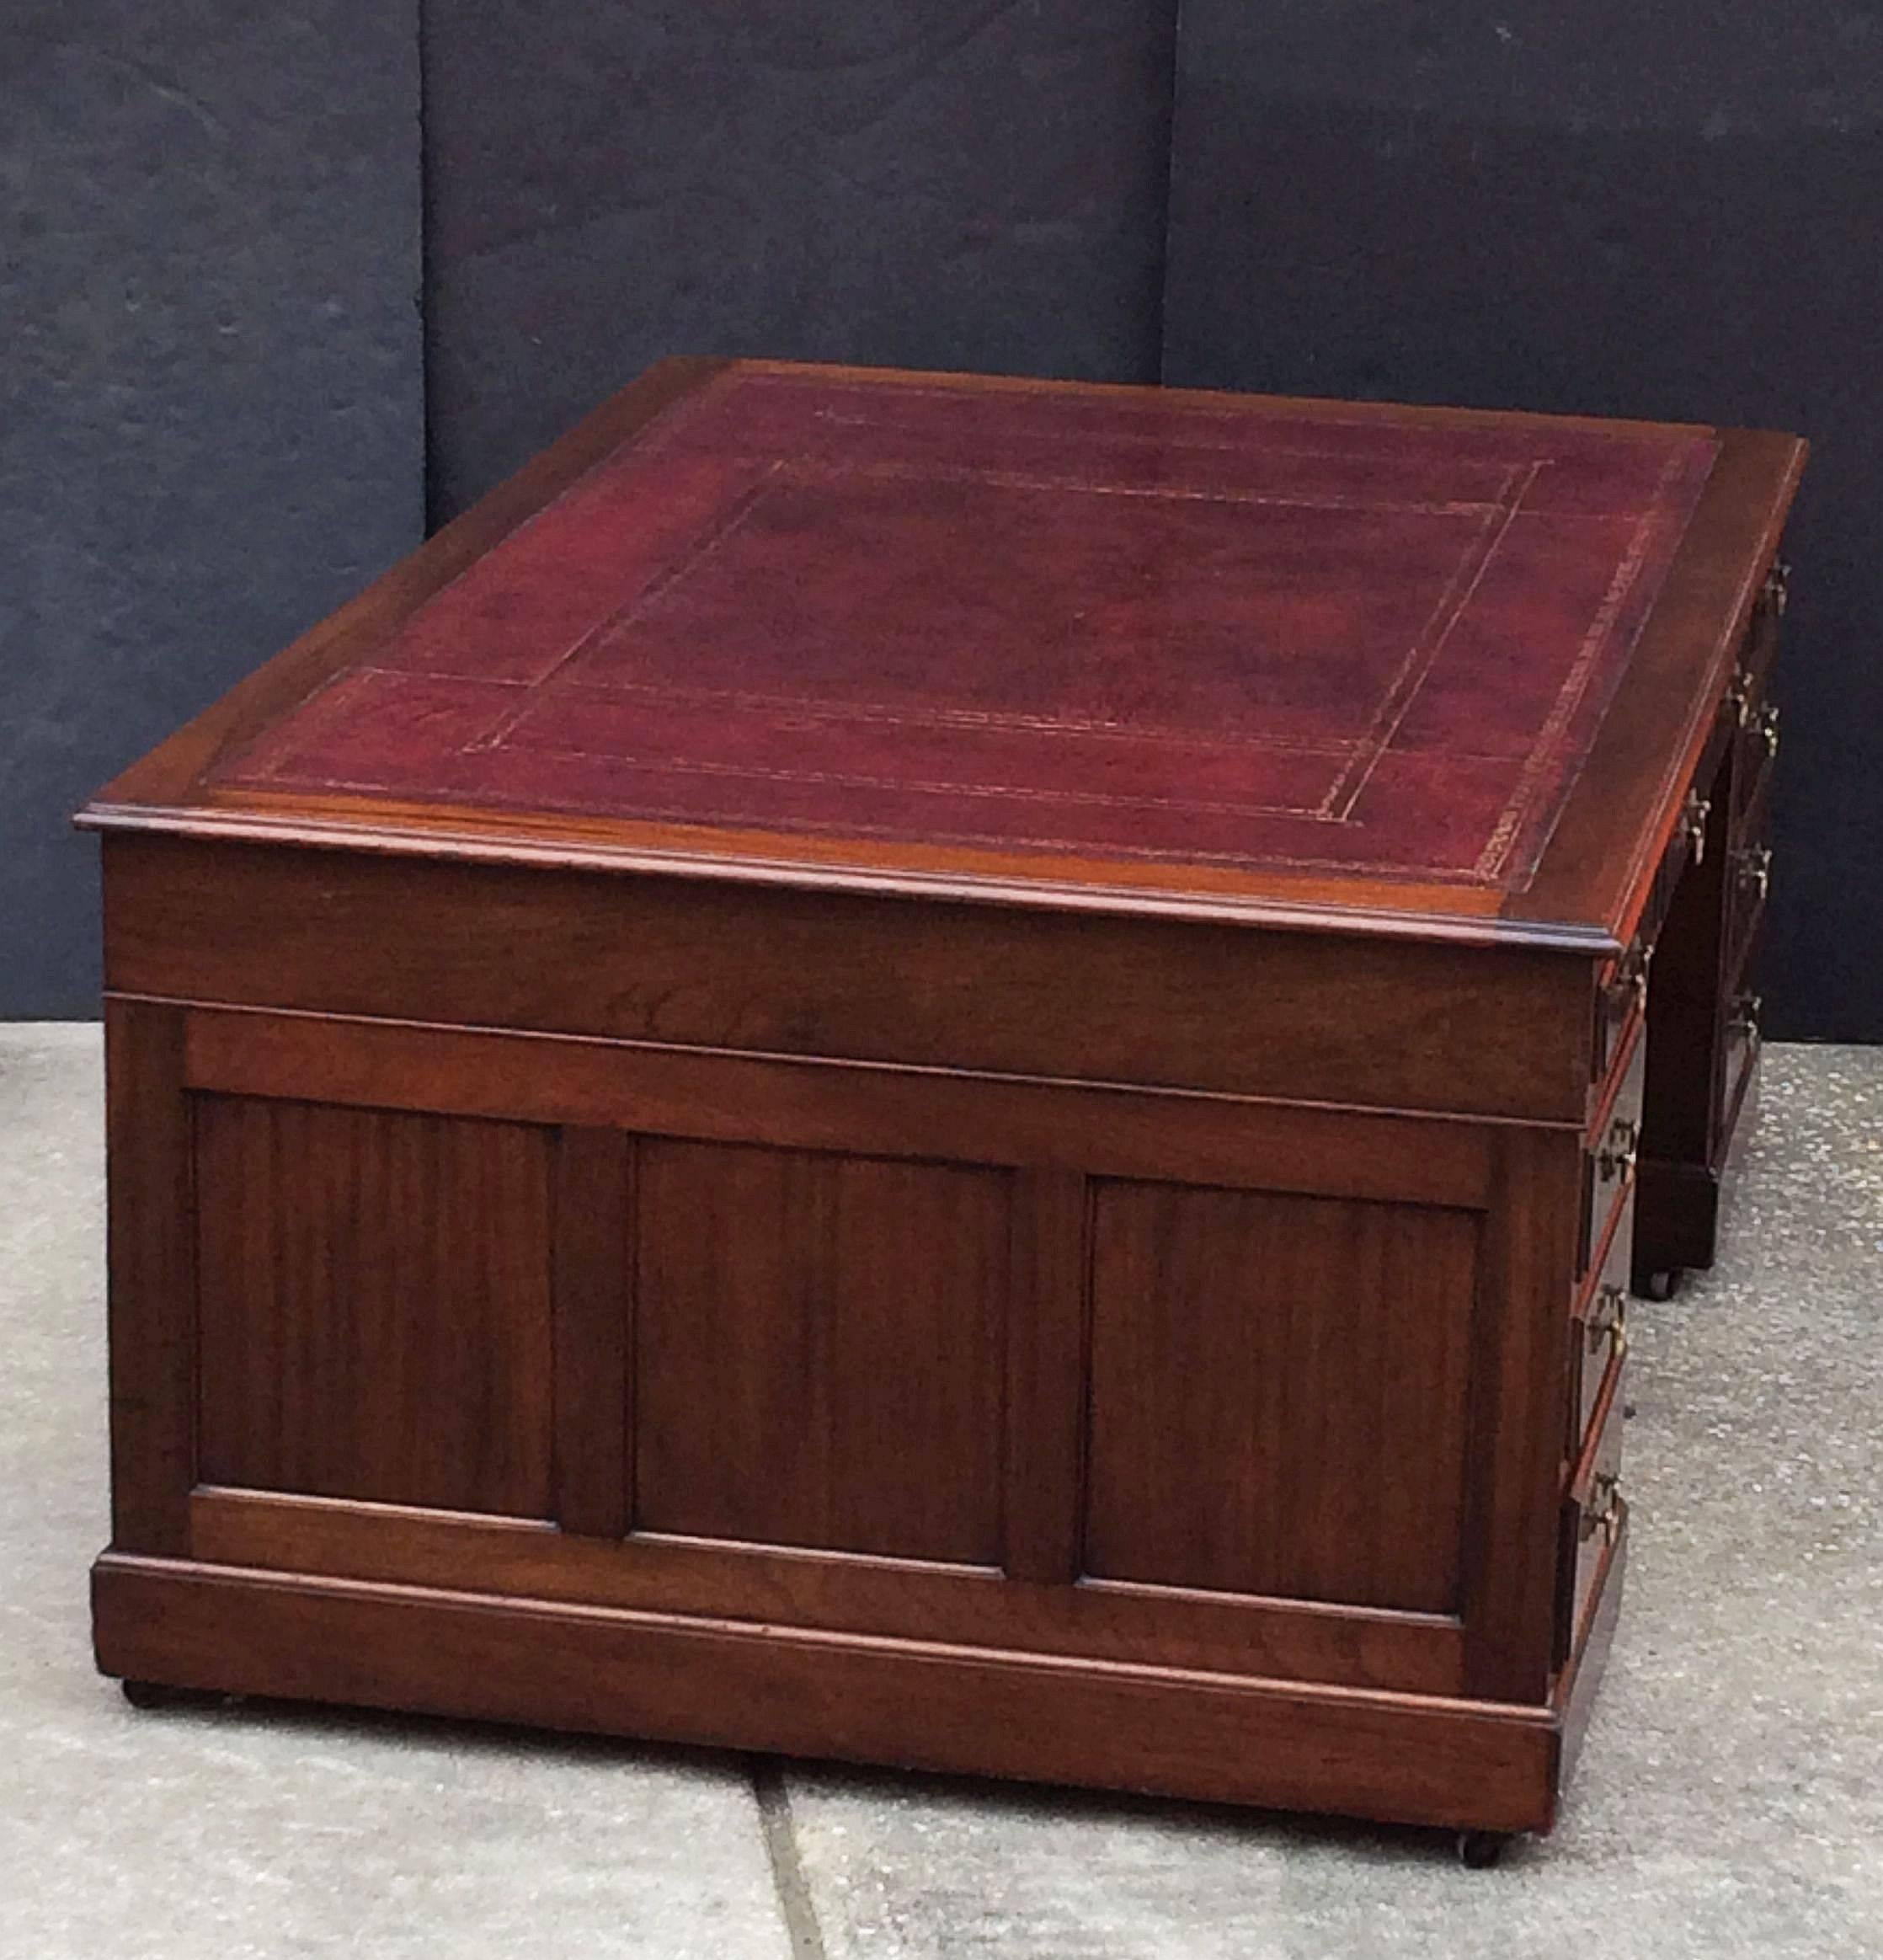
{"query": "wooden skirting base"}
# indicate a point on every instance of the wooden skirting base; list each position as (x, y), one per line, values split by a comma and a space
(1168, 1732)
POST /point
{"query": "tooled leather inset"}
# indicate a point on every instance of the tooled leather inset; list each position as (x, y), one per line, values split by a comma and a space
(1102, 624)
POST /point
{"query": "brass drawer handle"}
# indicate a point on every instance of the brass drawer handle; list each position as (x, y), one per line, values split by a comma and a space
(1631, 976)
(1777, 588)
(1604, 1511)
(1739, 697)
(1610, 1321)
(1692, 823)
(1747, 1019)
(1767, 728)
(1618, 1157)
(1755, 870)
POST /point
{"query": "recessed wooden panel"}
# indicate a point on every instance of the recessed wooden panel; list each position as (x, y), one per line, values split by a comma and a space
(374, 1305)
(593, 1290)
(1278, 1394)
(818, 1349)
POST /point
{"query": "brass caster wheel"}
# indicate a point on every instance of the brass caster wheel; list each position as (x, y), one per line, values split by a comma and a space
(1478, 1850)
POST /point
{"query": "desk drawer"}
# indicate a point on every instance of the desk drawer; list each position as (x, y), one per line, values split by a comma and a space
(1739, 1067)
(1748, 881)
(1751, 874)
(1759, 648)
(1753, 718)
(1620, 1014)
(1598, 1331)
(1592, 1512)
(1609, 1159)
(1621, 996)
(1620, 1011)
(1755, 751)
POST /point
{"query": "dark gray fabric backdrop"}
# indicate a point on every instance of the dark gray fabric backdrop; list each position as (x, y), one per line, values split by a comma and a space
(966, 184)
(1610, 207)
(211, 394)
(221, 417)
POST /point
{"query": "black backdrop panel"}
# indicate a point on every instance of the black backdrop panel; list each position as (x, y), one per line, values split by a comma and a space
(960, 183)
(1608, 207)
(210, 400)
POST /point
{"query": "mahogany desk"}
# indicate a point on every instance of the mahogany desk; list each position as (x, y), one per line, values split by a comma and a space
(948, 1072)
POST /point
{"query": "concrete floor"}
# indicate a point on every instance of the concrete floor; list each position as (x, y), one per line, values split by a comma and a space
(1730, 1799)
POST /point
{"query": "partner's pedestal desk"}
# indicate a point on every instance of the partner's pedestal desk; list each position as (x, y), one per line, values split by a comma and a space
(948, 1072)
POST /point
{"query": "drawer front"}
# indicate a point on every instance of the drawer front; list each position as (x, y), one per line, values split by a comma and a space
(1748, 883)
(1758, 651)
(1739, 1066)
(1703, 827)
(1591, 1508)
(1609, 1154)
(1755, 752)
(1620, 1011)
(1752, 716)
(1751, 875)
(1696, 828)
(1598, 1331)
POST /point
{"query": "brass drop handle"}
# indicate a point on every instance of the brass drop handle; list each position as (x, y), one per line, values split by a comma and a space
(1755, 870)
(1747, 1019)
(1692, 823)
(1604, 1512)
(1739, 695)
(1618, 1157)
(1635, 974)
(1768, 727)
(1628, 983)
(1777, 587)
(1610, 1321)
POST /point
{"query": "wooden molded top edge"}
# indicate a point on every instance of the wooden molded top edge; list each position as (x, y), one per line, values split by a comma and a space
(1600, 861)
(458, 843)
(1324, 408)
(1565, 906)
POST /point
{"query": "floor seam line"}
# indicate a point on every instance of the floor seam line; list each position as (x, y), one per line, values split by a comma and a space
(787, 1869)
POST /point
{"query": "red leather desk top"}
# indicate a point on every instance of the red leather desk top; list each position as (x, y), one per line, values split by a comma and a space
(1107, 624)
(1301, 663)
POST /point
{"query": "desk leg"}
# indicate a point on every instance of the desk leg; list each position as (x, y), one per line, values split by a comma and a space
(1676, 1204)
